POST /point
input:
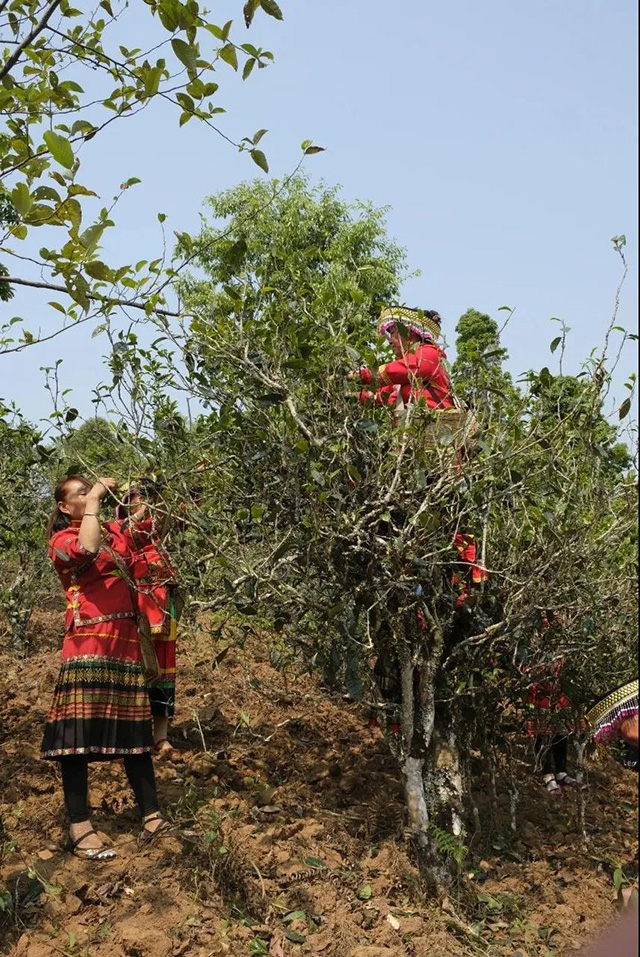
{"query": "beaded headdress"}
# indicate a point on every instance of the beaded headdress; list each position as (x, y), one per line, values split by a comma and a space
(608, 714)
(424, 324)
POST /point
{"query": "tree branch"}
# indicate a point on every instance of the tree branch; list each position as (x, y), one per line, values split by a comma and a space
(54, 287)
(28, 40)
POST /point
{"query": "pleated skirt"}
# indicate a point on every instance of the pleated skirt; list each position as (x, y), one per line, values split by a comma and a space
(100, 708)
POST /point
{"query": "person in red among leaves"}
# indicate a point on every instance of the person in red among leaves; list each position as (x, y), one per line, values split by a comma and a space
(472, 572)
(419, 369)
(418, 373)
(100, 708)
(157, 598)
(549, 725)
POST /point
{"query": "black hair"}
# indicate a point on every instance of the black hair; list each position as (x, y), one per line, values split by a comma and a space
(59, 520)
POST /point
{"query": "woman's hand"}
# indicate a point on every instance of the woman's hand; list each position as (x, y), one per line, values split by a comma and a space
(90, 531)
(102, 487)
(139, 511)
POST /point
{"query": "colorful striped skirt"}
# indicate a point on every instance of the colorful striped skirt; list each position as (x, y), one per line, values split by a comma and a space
(100, 708)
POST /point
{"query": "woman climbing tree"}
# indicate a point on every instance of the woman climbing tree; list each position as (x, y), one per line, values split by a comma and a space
(419, 369)
(418, 374)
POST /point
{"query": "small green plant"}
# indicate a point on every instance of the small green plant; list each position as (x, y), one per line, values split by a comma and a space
(620, 882)
(6, 900)
(450, 845)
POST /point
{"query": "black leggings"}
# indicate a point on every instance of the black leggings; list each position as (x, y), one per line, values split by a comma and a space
(75, 782)
(551, 753)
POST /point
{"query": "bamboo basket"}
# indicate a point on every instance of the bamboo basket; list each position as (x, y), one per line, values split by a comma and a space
(452, 428)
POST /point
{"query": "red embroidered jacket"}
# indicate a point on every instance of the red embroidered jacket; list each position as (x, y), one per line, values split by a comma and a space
(152, 571)
(418, 374)
(100, 615)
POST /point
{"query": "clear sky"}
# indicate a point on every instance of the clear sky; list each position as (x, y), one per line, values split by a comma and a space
(502, 135)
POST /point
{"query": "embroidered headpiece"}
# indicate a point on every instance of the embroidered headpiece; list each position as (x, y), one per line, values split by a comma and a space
(423, 323)
(608, 714)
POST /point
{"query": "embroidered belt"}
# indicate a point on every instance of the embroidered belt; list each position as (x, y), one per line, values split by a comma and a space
(113, 617)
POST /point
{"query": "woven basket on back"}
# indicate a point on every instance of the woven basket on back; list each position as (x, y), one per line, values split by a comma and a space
(452, 428)
(448, 429)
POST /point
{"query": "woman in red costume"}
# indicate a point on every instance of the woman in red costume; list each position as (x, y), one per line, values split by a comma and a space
(100, 708)
(419, 370)
(157, 599)
(418, 373)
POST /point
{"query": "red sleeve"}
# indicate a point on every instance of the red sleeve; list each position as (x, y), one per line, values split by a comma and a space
(400, 372)
(138, 533)
(365, 376)
(423, 364)
(66, 551)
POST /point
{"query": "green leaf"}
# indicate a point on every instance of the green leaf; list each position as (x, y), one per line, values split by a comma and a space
(624, 408)
(310, 150)
(618, 878)
(21, 198)
(294, 915)
(545, 376)
(58, 306)
(185, 53)
(272, 8)
(315, 862)
(97, 270)
(249, 11)
(152, 80)
(260, 159)
(556, 342)
(248, 69)
(229, 55)
(364, 894)
(60, 148)
(91, 237)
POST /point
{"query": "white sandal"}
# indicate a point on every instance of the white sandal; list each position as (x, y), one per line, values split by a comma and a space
(565, 780)
(552, 786)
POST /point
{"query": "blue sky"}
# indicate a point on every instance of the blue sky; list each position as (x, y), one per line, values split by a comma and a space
(502, 136)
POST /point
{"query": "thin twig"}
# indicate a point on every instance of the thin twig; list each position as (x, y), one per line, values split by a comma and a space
(106, 300)
(28, 40)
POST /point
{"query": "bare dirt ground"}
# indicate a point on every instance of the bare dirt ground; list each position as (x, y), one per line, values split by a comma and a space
(292, 834)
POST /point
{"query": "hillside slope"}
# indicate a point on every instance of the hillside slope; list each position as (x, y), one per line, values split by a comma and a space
(292, 835)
